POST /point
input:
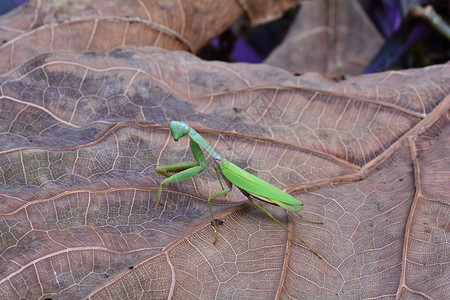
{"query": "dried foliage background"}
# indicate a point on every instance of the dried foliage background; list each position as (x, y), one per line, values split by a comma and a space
(84, 108)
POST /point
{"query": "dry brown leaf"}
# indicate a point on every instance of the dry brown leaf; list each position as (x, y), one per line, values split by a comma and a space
(175, 25)
(261, 11)
(21, 20)
(82, 134)
(105, 25)
(330, 37)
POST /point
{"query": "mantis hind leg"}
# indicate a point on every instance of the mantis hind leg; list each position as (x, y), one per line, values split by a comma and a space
(282, 225)
(308, 220)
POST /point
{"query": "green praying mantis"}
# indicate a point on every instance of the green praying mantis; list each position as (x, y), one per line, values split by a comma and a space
(250, 186)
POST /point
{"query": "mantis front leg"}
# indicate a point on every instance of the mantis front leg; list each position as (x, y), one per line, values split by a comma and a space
(183, 170)
(186, 170)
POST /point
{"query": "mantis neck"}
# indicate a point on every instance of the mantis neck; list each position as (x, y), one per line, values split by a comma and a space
(203, 143)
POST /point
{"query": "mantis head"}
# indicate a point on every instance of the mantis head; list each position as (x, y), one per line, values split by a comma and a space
(178, 129)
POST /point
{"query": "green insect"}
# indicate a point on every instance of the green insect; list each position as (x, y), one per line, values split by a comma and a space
(251, 186)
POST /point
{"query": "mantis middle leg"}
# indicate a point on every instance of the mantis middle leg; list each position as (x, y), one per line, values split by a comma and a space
(223, 192)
